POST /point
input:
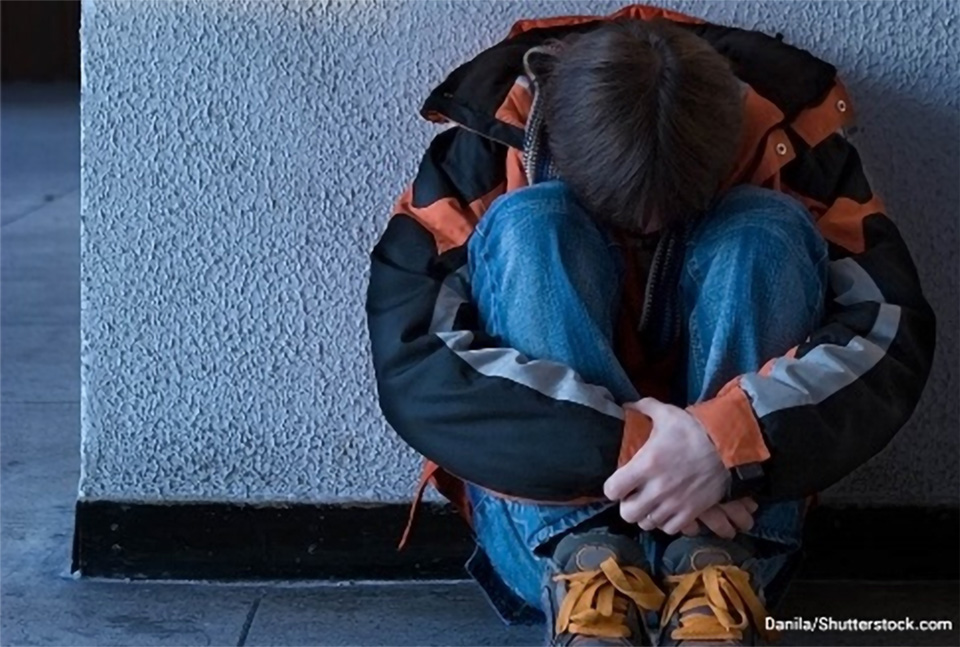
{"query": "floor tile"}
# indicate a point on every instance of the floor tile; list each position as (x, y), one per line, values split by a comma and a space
(41, 363)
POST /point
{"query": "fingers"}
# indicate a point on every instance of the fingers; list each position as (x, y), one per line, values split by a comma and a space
(624, 481)
(724, 519)
(738, 514)
(678, 523)
(648, 523)
(716, 520)
(660, 518)
(691, 529)
(666, 516)
(629, 479)
(641, 508)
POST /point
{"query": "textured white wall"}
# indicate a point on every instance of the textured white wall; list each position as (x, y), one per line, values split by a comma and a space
(240, 159)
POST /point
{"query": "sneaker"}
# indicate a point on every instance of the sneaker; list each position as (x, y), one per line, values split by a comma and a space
(599, 592)
(711, 600)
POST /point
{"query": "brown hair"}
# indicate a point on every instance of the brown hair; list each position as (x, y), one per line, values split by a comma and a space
(643, 121)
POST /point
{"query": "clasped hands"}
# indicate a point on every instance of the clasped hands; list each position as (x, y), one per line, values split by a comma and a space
(677, 479)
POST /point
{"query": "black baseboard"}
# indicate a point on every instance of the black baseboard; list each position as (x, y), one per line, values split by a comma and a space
(353, 542)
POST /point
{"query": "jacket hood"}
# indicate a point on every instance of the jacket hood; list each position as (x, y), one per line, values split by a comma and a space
(476, 95)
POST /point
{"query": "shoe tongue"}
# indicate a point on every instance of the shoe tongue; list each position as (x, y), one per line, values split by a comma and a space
(586, 551)
(709, 556)
(694, 553)
(589, 557)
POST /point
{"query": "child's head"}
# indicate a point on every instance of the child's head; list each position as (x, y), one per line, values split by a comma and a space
(643, 121)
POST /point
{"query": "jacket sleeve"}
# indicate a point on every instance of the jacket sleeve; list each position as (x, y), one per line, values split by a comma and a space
(481, 411)
(813, 416)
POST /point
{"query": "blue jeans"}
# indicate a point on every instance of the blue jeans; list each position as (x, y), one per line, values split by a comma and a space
(548, 281)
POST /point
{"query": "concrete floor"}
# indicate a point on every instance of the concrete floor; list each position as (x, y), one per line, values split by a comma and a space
(39, 443)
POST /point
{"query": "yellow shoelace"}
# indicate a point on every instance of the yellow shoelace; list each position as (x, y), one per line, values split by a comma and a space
(596, 602)
(726, 592)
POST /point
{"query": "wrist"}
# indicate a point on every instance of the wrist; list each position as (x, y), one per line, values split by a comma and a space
(732, 426)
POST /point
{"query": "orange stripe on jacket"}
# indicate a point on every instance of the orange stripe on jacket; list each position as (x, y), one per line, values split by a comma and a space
(729, 421)
(842, 224)
(515, 108)
(760, 116)
(819, 122)
(642, 12)
(516, 174)
(777, 152)
(815, 207)
(447, 219)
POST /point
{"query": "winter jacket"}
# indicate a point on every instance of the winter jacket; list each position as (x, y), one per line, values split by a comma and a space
(483, 413)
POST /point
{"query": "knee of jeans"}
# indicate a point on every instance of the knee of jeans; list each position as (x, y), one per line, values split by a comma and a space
(520, 219)
(767, 220)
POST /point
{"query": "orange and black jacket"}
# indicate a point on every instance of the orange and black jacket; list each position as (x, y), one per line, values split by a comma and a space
(484, 413)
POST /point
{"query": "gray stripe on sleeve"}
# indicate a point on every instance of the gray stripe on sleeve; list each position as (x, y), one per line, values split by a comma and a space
(852, 284)
(828, 368)
(552, 379)
(454, 292)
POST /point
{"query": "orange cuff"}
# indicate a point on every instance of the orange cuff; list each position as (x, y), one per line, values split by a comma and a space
(636, 431)
(732, 426)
